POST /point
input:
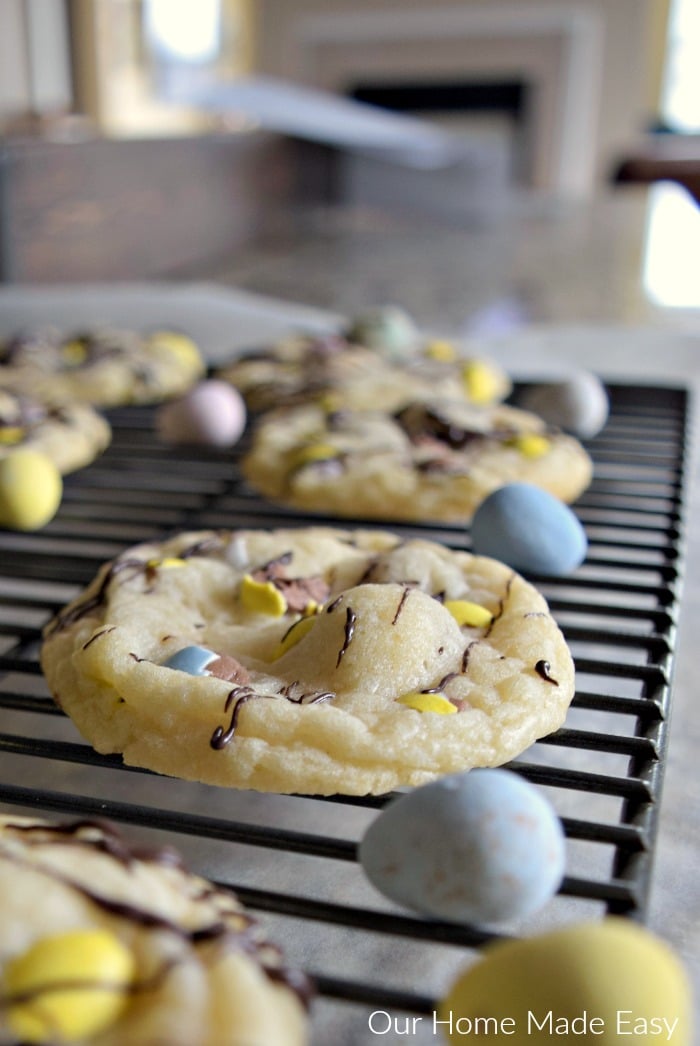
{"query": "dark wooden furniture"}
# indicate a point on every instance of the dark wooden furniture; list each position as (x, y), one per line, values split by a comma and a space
(109, 209)
(663, 157)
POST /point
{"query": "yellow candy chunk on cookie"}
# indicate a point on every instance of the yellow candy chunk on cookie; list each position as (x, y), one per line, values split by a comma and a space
(30, 490)
(466, 613)
(169, 561)
(261, 597)
(481, 382)
(11, 434)
(330, 401)
(179, 345)
(532, 445)
(428, 703)
(292, 636)
(68, 987)
(440, 349)
(74, 352)
(313, 452)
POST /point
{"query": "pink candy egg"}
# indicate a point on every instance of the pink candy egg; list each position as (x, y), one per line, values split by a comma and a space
(212, 413)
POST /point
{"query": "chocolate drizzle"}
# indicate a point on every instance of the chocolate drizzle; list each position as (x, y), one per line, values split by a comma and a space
(78, 610)
(501, 605)
(467, 654)
(240, 695)
(97, 635)
(543, 669)
(441, 685)
(404, 597)
(350, 619)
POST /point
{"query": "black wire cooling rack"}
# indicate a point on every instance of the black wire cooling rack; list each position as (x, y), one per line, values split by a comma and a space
(293, 858)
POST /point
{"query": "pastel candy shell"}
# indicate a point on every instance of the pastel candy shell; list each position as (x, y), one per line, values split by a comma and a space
(578, 404)
(482, 846)
(212, 413)
(30, 490)
(530, 530)
(191, 659)
(613, 972)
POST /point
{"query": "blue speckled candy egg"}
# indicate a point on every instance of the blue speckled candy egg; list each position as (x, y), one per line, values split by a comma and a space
(530, 530)
(481, 846)
(191, 659)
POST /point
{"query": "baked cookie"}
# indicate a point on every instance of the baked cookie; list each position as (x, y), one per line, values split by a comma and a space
(102, 366)
(71, 435)
(314, 660)
(342, 374)
(109, 945)
(432, 460)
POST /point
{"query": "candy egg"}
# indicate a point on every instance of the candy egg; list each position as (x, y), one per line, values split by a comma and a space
(607, 982)
(68, 987)
(30, 490)
(530, 530)
(482, 846)
(578, 404)
(388, 329)
(191, 659)
(212, 413)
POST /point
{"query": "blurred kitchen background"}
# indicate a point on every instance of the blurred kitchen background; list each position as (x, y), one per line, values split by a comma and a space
(209, 122)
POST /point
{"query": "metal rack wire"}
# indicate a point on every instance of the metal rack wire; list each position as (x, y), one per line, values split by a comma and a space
(603, 771)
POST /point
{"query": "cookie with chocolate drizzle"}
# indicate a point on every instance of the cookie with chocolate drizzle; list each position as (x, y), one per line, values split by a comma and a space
(432, 459)
(311, 660)
(71, 435)
(103, 366)
(345, 374)
(109, 944)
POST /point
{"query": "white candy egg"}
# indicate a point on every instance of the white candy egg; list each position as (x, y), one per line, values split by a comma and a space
(212, 413)
(578, 403)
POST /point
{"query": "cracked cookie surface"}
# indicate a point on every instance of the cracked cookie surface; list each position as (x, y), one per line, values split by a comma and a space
(315, 660)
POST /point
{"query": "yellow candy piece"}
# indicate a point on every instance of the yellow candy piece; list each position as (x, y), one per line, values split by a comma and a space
(292, 636)
(466, 613)
(68, 987)
(532, 445)
(607, 982)
(481, 382)
(11, 434)
(440, 349)
(178, 345)
(262, 597)
(428, 703)
(314, 452)
(30, 490)
(74, 352)
(168, 561)
(330, 401)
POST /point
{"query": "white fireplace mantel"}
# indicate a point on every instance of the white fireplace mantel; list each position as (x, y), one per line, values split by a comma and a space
(558, 50)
